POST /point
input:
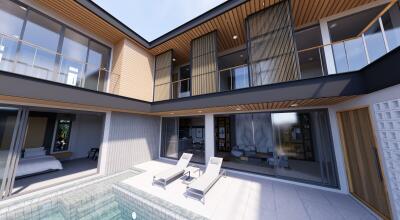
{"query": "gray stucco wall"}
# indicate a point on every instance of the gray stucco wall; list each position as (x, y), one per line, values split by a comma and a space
(132, 139)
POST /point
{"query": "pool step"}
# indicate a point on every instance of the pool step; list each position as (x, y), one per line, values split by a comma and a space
(109, 212)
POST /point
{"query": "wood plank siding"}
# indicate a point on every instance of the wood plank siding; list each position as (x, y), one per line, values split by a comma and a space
(204, 64)
(272, 50)
(162, 82)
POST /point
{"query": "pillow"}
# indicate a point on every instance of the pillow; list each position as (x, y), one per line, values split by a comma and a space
(33, 152)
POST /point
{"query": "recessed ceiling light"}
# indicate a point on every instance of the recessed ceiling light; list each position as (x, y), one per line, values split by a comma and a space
(235, 37)
(238, 109)
(241, 55)
(23, 8)
(263, 3)
(294, 105)
(333, 25)
(173, 59)
(310, 59)
(171, 113)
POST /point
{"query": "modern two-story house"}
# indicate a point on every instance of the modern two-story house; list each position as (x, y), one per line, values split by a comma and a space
(301, 91)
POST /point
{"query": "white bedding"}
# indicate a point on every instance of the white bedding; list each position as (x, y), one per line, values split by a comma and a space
(36, 164)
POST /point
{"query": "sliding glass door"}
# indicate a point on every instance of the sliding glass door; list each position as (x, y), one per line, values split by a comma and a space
(291, 145)
(11, 120)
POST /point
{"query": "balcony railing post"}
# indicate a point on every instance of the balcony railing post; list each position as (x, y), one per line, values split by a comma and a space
(320, 61)
(230, 73)
(365, 48)
(98, 79)
(383, 34)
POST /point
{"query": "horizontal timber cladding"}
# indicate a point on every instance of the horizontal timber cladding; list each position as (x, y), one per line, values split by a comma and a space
(132, 139)
(272, 50)
(162, 83)
(204, 64)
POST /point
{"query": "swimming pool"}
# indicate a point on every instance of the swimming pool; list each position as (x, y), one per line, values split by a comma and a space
(101, 199)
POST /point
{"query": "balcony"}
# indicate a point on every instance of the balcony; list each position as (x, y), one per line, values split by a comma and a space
(24, 58)
(377, 38)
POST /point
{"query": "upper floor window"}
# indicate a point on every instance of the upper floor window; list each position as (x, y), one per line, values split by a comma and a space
(35, 45)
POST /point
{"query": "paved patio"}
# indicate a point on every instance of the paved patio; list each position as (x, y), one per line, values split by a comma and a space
(244, 197)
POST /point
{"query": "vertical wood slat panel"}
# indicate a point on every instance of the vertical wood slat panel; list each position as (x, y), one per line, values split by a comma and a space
(162, 82)
(204, 64)
(272, 51)
(133, 139)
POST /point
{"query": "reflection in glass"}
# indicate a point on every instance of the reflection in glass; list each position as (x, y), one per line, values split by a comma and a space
(98, 59)
(8, 118)
(374, 41)
(295, 145)
(12, 18)
(63, 132)
(183, 135)
(39, 62)
(349, 55)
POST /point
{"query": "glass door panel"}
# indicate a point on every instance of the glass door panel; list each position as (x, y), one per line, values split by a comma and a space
(9, 120)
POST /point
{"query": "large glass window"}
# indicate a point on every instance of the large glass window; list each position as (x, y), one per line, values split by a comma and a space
(311, 61)
(35, 45)
(12, 19)
(74, 50)
(183, 135)
(291, 145)
(98, 59)
(8, 124)
(39, 61)
(233, 71)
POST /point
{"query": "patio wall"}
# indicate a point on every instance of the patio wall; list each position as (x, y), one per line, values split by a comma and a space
(129, 139)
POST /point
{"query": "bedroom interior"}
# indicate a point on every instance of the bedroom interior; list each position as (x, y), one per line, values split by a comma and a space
(57, 146)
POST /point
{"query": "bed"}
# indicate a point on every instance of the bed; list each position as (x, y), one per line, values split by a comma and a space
(36, 161)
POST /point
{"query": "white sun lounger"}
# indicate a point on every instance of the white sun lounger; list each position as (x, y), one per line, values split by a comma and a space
(178, 170)
(201, 185)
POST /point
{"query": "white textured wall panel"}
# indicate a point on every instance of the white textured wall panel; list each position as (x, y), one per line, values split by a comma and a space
(387, 115)
(132, 139)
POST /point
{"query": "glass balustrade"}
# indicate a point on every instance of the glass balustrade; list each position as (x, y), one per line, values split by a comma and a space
(25, 58)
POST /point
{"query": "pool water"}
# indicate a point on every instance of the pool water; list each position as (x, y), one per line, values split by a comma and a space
(104, 199)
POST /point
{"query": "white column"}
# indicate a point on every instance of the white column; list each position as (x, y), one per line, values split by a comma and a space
(326, 39)
(339, 154)
(102, 165)
(209, 136)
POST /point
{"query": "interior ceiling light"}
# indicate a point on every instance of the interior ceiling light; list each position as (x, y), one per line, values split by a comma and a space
(294, 105)
(310, 59)
(173, 59)
(333, 25)
(235, 37)
(241, 55)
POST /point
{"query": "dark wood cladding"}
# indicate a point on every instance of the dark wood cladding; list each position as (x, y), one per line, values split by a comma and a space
(271, 46)
(204, 64)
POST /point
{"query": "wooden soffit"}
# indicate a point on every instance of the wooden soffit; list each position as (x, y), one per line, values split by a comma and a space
(232, 23)
(292, 104)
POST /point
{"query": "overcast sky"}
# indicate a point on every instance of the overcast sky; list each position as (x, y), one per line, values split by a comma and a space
(153, 18)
